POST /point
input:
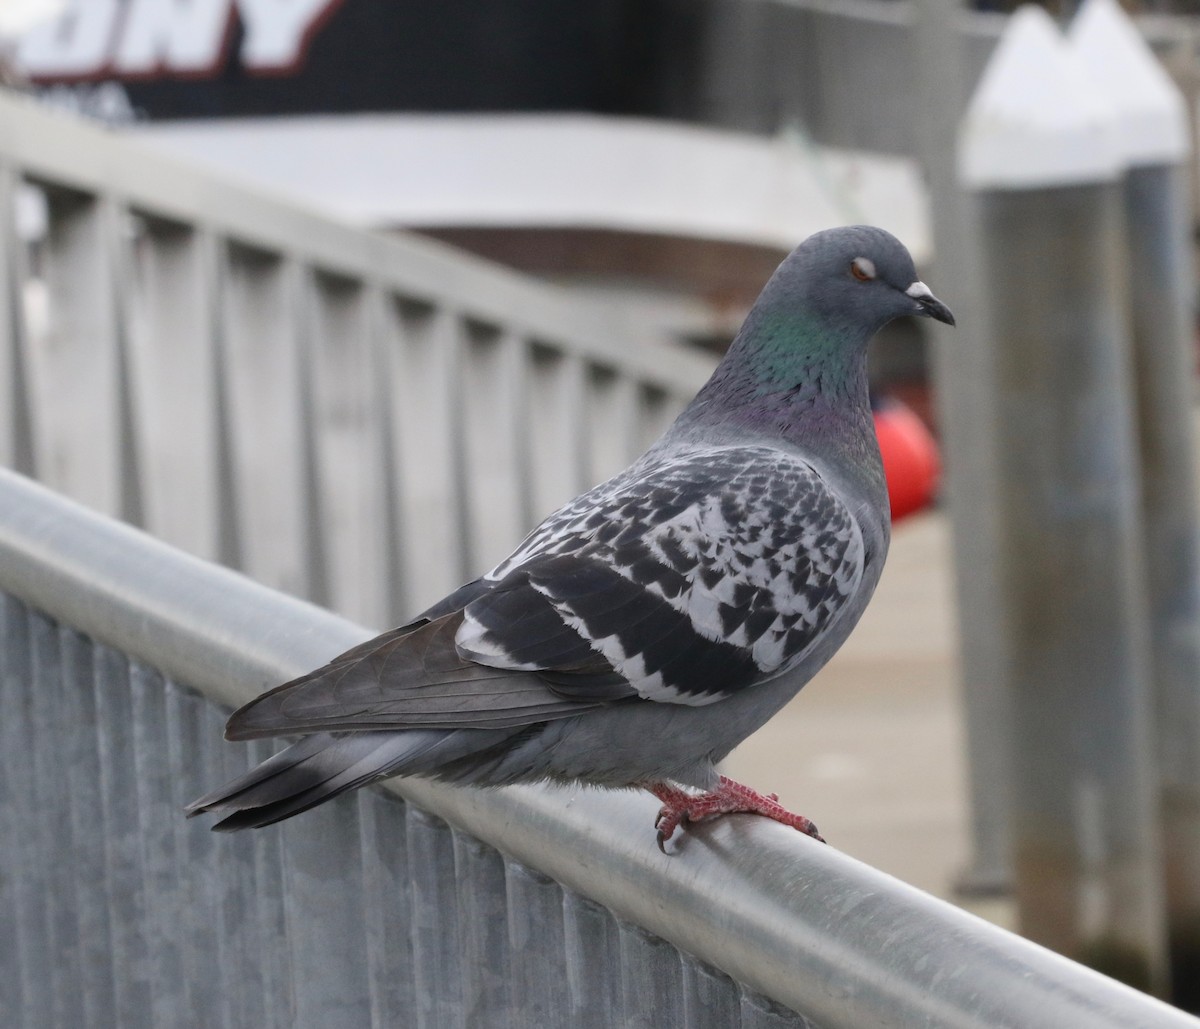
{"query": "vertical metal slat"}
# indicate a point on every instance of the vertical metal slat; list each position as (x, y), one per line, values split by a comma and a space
(80, 756)
(241, 944)
(195, 768)
(323, 899)
(79, 377)
(651, 980)
(157, 860)
(349, 446)
(710, 998)
(25, 949)
(493, 371)
(422, 361)
(537, 948)
(387, 904)
(274, 958)
(56, 844)
(612, 436)
(174, 349)
(592, 948)
(483, 937)
(266, 419)
(122, 839)
(437, 973)
(555, 415)
(16, 419)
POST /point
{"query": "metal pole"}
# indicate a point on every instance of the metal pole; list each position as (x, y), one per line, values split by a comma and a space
(1154, 136)
(1155, 197)
(1084, 818)
(963, 372)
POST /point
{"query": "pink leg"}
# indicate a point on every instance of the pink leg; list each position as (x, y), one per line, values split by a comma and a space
(729, 797)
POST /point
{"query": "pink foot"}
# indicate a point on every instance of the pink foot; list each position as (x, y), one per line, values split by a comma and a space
(680, 807)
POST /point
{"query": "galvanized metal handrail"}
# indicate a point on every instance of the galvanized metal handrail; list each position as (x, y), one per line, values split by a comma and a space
(837, 941)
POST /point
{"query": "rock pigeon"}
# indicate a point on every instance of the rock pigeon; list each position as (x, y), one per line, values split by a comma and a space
(643, 630)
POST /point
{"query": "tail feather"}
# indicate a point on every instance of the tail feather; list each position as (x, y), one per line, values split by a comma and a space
(275, 765)
(324, 765)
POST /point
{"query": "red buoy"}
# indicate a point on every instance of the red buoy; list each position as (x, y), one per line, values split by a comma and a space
(910, 458)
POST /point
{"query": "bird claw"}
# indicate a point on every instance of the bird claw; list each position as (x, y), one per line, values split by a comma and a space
(669, 819)
(680, 808)
(811, 831)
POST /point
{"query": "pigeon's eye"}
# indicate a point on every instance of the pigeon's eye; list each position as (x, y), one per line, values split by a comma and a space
(863, 269)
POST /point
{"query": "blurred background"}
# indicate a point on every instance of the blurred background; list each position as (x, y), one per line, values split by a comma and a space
(638, 169)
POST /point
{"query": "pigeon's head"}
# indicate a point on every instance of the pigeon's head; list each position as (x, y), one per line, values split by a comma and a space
(803, 346)
(858, 276)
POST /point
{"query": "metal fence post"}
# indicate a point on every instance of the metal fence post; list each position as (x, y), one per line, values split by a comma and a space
(16, 423)
(1040, 155)
(1154, 140)
(964, 373)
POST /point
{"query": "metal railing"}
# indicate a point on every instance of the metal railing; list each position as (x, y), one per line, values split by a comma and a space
(365, 421)
(525, 906)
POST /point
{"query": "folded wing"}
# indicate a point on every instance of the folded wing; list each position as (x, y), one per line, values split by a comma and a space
(677, 582)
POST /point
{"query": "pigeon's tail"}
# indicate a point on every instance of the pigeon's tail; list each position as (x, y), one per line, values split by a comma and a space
(319, 767)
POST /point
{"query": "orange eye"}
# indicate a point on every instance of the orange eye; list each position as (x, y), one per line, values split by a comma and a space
(863, 269)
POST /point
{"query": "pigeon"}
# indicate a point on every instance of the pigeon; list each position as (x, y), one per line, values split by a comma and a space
(647, 627)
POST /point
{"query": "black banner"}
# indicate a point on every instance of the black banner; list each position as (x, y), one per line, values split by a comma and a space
(222, 58)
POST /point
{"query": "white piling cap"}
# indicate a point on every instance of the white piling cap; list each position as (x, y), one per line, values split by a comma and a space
(1035, 119)
(1152, 121)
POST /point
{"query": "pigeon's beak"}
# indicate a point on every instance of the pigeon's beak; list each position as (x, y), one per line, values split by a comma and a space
(928, 305)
